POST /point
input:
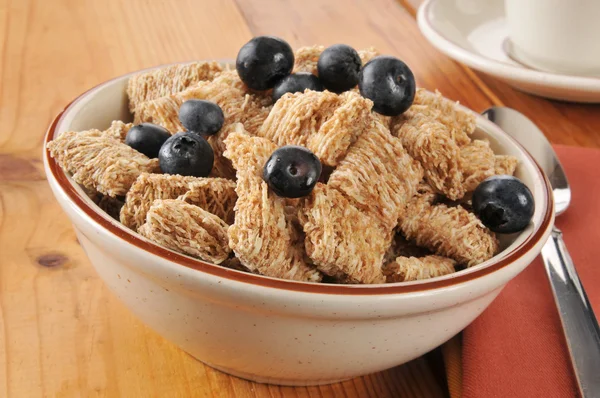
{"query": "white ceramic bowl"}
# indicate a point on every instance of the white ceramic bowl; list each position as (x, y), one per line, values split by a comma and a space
(280, 331)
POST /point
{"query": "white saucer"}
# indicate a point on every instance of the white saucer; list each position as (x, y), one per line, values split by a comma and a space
(475, 34)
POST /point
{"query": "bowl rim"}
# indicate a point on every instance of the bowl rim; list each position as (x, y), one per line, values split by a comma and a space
(130, 237)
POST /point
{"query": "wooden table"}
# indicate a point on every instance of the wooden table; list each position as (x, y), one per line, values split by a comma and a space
(62, 333)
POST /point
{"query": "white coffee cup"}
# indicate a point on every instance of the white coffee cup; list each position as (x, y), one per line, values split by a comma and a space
(560, 36)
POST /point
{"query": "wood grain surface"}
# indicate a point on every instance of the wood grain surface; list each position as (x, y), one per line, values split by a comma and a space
(62, 333)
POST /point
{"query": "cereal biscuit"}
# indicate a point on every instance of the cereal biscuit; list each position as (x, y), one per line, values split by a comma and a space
(477, 161)
(100, 162)
(385, 120)
(342, 241)
(332, 140)
(262, 237)
(248, 154)
(505, 164)
(222, 166)
(231, 78)
(448, 231)
(296, 117)
(426, 193)
(188, 229)
(404, 269)
(118, 130)
(306, 58)
(145, 190)
(324, 122)
(368, 54)
(215, 195)
(429, 142)
(151, 85)
(377, 175)
(459, 123)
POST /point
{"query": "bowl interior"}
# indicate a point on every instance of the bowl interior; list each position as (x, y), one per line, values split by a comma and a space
(98, 107)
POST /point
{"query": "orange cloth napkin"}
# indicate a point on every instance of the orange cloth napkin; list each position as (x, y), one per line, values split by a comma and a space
(516, 347)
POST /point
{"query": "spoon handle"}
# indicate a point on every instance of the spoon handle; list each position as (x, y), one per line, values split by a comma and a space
(576, 314)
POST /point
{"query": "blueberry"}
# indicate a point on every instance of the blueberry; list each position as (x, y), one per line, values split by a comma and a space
(147, 138)
(202, 117)
(503, 203)
(296, 82)
(292, 171)
(186, 154)
(263, 61)
(389, 83)
(339, 68)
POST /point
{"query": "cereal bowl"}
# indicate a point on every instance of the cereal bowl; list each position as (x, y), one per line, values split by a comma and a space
(280, 331)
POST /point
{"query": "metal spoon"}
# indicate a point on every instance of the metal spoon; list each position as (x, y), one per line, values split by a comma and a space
(578, 320)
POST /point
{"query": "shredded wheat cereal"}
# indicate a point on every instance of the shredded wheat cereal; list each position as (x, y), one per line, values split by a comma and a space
(460, 124)
(188, 229)
(427, 141)
(145, 190)
(477, 162)
(377, 175)
(306, 58)
(448, 231)
(385, 120)
(336, 134)
(215, 195)
(100, 162)
(118, 130)
(231, 78)
(368, 54)
(342, 241)
(168, 80)
(426, 193)
(404, 269)
(262, 237)
(324, 122)
(505, 164)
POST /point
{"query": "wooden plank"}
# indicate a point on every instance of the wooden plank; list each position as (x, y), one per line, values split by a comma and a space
(62, 333)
